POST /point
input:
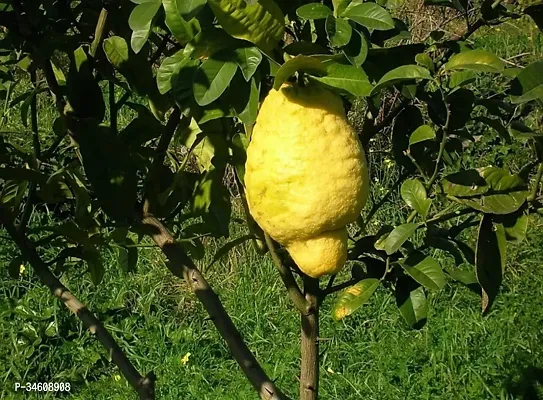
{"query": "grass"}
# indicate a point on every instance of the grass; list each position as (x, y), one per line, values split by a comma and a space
(458, 354)
(372, 355)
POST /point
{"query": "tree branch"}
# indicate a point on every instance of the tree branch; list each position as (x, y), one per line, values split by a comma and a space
(294, 292)
(309, 377)
(182, 266)
(36, 147)
(143, 385)
(537, 180)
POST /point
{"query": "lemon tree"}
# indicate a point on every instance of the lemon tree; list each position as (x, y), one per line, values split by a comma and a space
(248, 102)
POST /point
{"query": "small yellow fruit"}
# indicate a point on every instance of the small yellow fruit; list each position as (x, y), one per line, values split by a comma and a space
(306, 175)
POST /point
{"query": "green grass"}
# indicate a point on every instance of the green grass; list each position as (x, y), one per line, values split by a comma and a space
(372, 355)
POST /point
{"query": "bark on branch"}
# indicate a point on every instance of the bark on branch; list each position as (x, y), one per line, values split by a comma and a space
(144, 386)
(182, 266)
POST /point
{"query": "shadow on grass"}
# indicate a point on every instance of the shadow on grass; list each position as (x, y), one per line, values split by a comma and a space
(528, 386)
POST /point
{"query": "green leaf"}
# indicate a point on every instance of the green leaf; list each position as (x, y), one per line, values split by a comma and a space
(82, 89)
(461, 78)
(356, 50)
(369, 15)
(25, 107)
(340, 6)
(182, 82)
(212, 202)
(414, 195)
(425, 61)
(489, 189)
(475, 60)
(182, 30)
(339, 31)
(95, 265)
(142, 15)
(401, 74)
(515, 225)
(14, 267)
(116, 51)
(346, 78)
(536, 12)
(490, 258)
(421, 134)
(229, 246)
(211, 80)
(209, 41)
(249, 113)
(313, 11)
(261, 23)
(424, 270)
(394, 240)
(170, 66)
(189, 8)
(528, 84)
(497, 126)
(465, 277)
(127, 257)
(248, 60)
(307, 64)
(140, 21)
(411, 300)
(354, 297)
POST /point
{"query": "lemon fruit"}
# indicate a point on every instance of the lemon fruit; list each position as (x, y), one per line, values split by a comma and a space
(306, 175)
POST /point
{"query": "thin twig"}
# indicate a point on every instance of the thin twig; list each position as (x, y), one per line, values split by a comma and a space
(285, 272)
(182, 266)
(143, 385)
(35, 163)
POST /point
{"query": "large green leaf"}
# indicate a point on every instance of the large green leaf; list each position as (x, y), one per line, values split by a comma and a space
(249, 113)
(181, 29)
(392, 241)
(528, 84)
(370, 15)
(515, 225)
(307, 64)
(401, 74)
(116, 51)
(211, 80)
(340, 6)
(490, 256)
(356, 50)
(248, 60)
(127, 256)
(424, 270)
(261, 22)
(414, 194)
(209, 41)
(313, 11)
(411, 300)
(346, 78)
(82, 89)
(140, 21)
(339, 31)
(489, 189)
(475, 60)
(421, 134)
(354, 297)
(170, 66)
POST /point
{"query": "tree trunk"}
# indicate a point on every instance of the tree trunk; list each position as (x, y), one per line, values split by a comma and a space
(309, 379)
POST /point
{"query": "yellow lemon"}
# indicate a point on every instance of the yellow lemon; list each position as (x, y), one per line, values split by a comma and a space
(306, 175)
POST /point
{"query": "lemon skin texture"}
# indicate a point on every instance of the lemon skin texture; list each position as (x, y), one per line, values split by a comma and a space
(306, 175)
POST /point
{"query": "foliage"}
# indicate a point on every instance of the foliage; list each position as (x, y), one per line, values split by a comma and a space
(192, 75)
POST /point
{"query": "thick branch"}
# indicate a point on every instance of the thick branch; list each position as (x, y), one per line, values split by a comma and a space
(143, 385)
(294, 292)
(182, 266)
(309, 377)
